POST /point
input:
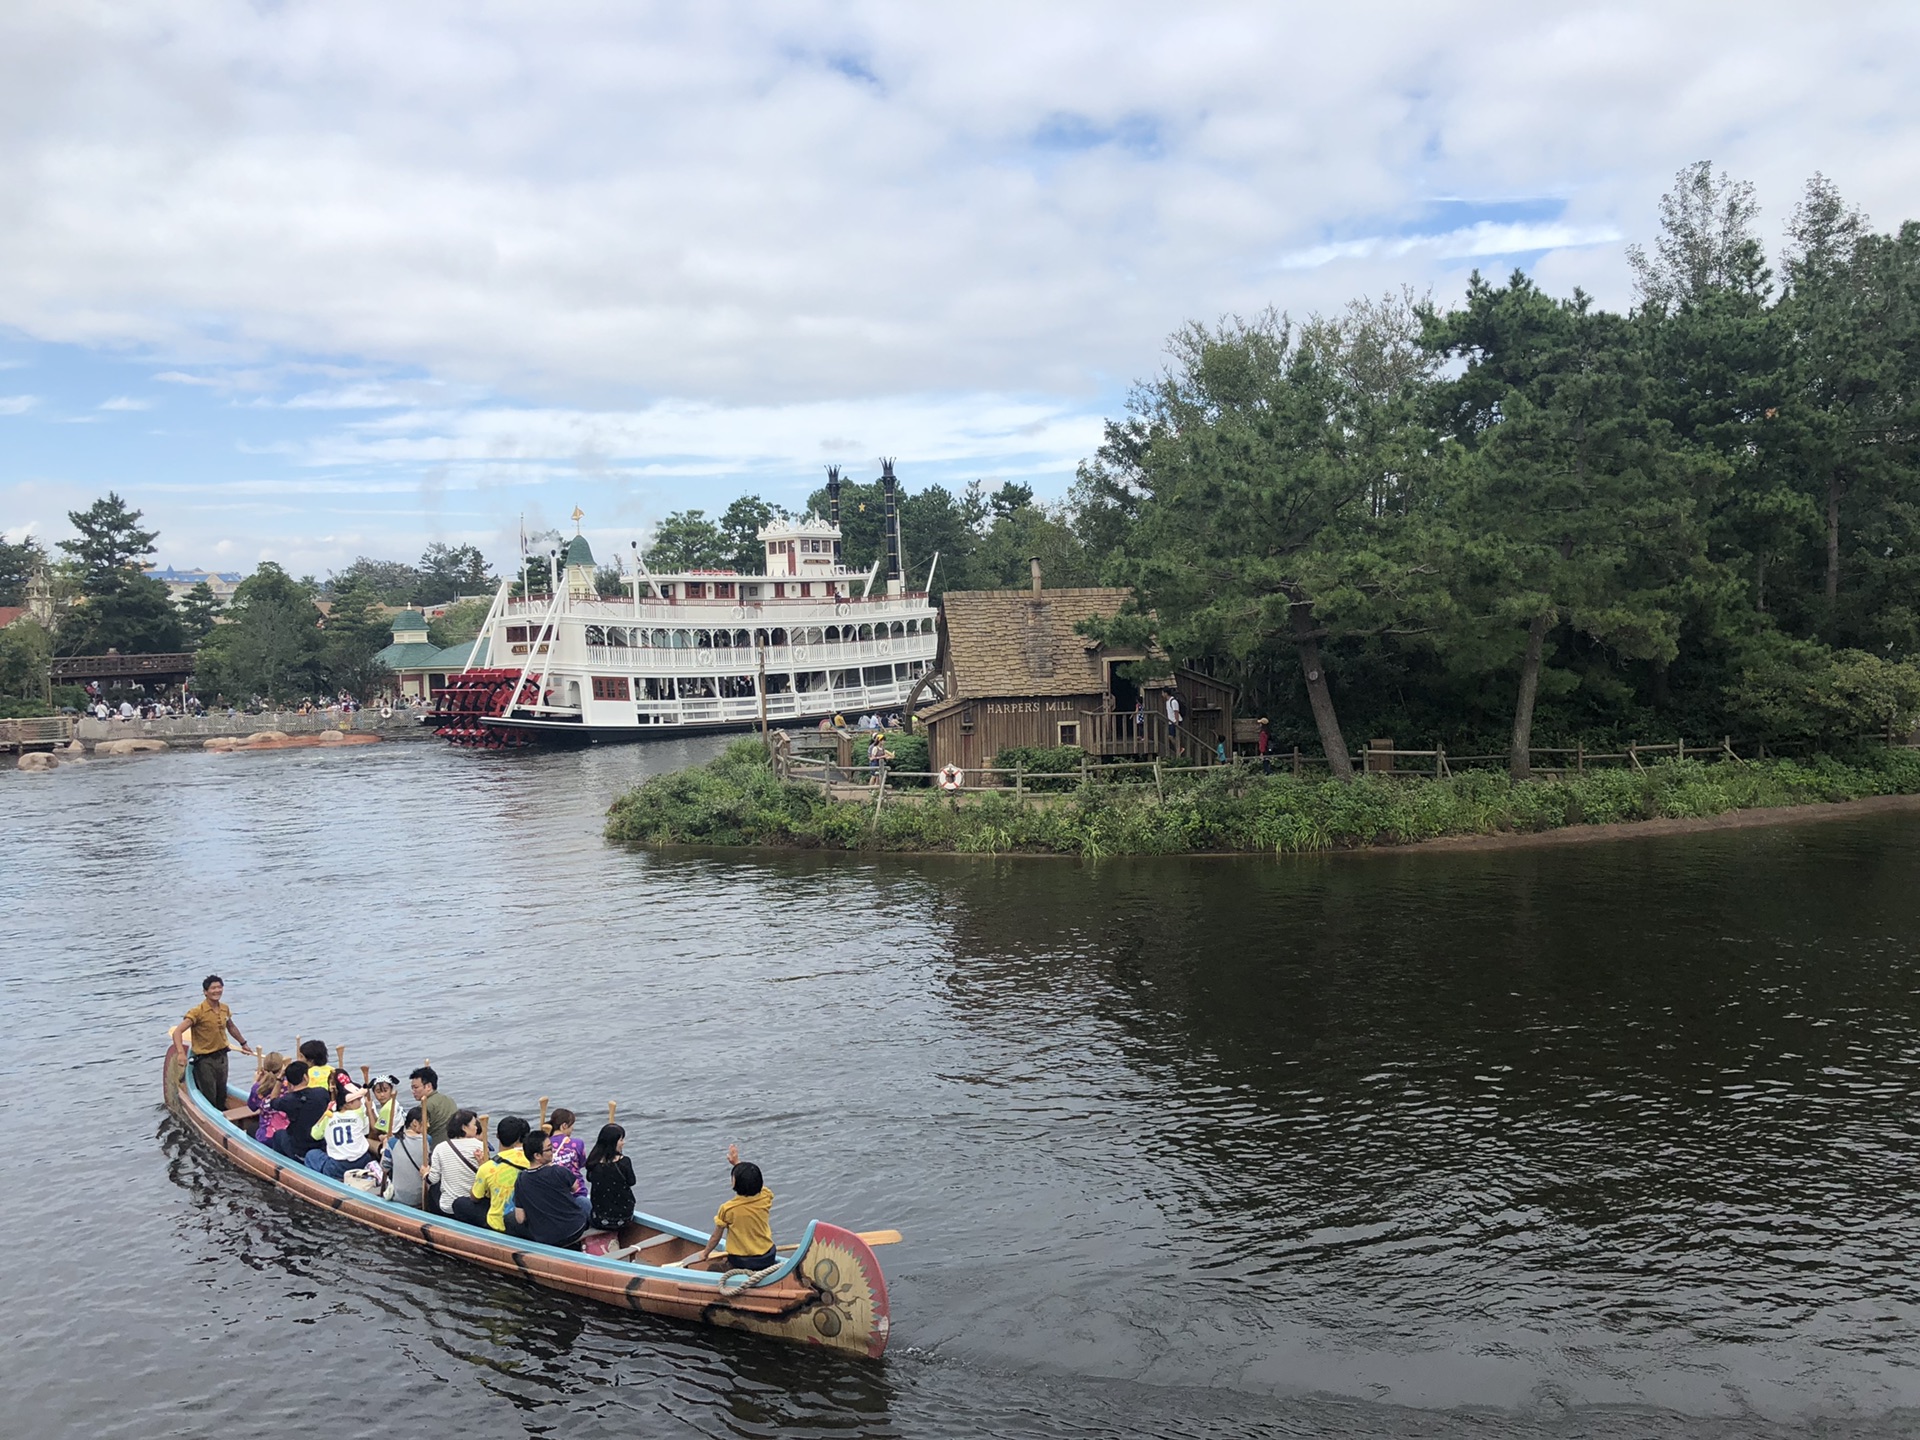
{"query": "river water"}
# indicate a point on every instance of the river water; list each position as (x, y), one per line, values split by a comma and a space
(1605, 1140)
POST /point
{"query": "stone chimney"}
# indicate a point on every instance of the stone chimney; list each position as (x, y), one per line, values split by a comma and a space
(1034, 561)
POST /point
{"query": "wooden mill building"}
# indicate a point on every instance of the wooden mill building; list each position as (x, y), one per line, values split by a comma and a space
(1012, 671)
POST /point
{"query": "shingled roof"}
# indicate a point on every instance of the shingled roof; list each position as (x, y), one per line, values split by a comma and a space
(1014, 642)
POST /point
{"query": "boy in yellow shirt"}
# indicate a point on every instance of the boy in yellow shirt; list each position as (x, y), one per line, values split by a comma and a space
(493, 1183)
(746, 1220)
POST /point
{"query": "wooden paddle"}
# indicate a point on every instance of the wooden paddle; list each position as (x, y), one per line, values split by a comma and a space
(610, 1106)
(543, 1112)
(426, 1143)
(872, 1237)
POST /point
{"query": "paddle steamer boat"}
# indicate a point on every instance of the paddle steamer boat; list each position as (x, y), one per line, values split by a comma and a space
(696, 650)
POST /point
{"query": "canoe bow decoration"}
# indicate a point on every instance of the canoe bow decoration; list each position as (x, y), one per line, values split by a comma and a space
(829, 1291)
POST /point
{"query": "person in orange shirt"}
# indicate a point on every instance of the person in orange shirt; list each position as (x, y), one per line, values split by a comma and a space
(207, 1026)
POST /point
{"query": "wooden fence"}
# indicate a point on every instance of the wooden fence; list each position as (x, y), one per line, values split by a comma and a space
(831, 766)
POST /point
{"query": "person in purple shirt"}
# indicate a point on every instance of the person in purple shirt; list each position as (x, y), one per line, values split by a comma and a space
(568, 1153)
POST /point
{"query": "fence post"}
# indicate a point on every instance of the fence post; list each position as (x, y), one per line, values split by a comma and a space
(1727, 745)
(1083, 767)
(1683, 748)
(1439, 759)
(1633, 754)
(1158, 793)
(1020, 781)
(1296, 762)
(880, 794)
(1579, 757)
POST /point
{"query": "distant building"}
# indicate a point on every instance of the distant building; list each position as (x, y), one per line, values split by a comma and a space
(178, 582)
(419, 666)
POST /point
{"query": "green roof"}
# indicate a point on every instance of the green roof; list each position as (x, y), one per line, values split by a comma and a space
(408, 620)
(578, 552)
(409, 657)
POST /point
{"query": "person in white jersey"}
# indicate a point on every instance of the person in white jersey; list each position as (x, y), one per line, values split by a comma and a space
(342, 1131)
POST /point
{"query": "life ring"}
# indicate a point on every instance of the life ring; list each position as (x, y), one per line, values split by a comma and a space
(703, 657)
(739, 612)
(842, 608)
(386, 712)
(799, 652)
(950, 778)
(886, 647)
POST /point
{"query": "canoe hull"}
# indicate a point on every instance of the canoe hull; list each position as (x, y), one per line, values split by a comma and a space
(835, 1295)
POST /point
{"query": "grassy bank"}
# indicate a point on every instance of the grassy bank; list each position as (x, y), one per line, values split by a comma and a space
(736, 800)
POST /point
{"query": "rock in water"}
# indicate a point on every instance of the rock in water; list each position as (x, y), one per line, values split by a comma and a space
(38, 760)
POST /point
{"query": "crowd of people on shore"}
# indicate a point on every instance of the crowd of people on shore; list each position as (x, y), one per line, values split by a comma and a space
(538, 1181)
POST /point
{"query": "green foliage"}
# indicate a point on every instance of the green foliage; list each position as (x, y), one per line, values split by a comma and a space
(395, 582)
(25, 650)
(199, 609)
(740, 525)
(1037, 760)
(909, 755)
(450, 570)
(687, 540)
(109, 543)
(457, 624)
(736, 800)
(19, 560)
(272, 644)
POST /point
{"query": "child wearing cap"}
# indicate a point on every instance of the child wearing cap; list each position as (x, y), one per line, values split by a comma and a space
(746, 1220)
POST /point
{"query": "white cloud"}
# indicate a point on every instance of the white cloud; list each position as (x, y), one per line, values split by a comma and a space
(17, 404)
(786, 203)
(125, 402)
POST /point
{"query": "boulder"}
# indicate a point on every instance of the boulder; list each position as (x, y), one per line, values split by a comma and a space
(331, 737)
(38, 760)
(221, 742)
(129, 747)
(72, 748)
(264, 737)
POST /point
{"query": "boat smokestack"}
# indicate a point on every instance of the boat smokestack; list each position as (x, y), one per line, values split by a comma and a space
(833, 508)
(1034, 562)
(890, 489)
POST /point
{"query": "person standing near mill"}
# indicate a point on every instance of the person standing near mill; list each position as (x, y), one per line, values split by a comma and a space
(207, 1026)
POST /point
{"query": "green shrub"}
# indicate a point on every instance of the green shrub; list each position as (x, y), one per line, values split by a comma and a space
(736, 800)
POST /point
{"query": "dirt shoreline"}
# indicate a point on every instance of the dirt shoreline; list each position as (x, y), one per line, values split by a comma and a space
(1632, 829)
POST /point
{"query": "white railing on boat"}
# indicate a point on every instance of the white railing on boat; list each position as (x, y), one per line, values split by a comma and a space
(646, 659)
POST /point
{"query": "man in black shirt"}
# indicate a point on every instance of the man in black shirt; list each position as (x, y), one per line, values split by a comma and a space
(545, 1209)
(303, 1106)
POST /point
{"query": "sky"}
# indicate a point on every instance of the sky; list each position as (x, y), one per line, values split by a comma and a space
(307, 281)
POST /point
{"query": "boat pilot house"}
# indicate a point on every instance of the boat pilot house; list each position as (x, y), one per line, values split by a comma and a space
(1012, 671)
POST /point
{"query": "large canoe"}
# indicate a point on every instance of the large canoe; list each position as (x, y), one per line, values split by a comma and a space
(827, 1291)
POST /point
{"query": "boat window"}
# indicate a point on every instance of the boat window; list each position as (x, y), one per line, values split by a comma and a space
(516, 632)
(596, 635)
(814, 637)
(833, 635)
(899, 630)
(877, 675)
(810, 680)
(703, 639)
(659, 687)
(696, 687)
(866, 632)
(736, 687)
(723, 590)
(617, 636)
(682, 639)
(610, 687)
(779, 637)
(723, 638)
(696, 590)
(779, 684)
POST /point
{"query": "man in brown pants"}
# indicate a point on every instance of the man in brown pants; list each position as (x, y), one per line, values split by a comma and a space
(207, 1025)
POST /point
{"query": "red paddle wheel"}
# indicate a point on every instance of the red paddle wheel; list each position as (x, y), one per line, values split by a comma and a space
(469, 696)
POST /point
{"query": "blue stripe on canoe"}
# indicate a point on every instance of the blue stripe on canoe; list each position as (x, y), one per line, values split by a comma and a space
(628, 1268)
